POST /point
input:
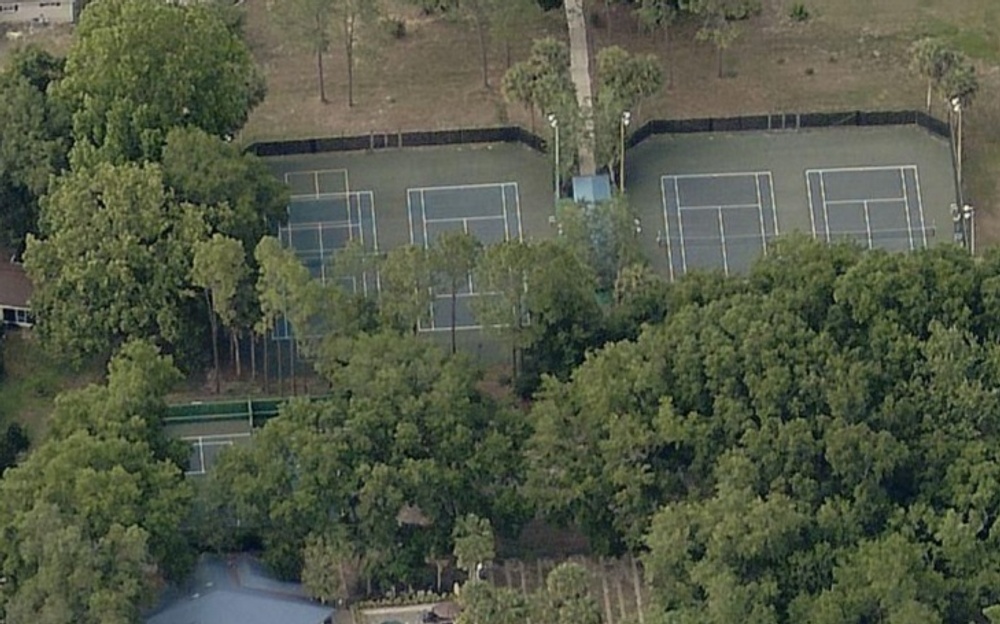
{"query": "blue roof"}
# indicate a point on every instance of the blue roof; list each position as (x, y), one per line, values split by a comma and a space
(240, 607)
(591, 189)
(236, 590)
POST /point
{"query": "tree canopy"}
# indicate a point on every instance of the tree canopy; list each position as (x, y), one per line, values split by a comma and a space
(92, 519)
(173, 65)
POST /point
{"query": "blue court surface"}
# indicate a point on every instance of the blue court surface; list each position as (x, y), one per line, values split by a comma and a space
(876, 207)
(490, 212)
(716, 220)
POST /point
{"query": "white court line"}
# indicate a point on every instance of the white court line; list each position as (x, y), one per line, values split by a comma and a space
(716, 175)
(760, 212)
(666, 228)
(375, 225)
(316, 181)
(459, 187)
(868, 226)
(465, 219)
(722, 239)
(409, 213)
(506, 224)
(215, 437)
(878, 200)
(826, 213)
(774, 204)
(680, 227)
(333, 195)
(715, 207)
(812, 207)
(322, 256)
(309, 225)
(517, 206)
(920, 203)
(906, 206)
(468, 276)
(423, 216)
(857, 169)
(201, 455)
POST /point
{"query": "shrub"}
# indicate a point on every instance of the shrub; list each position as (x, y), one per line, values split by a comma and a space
(799, 13)
(394, 27)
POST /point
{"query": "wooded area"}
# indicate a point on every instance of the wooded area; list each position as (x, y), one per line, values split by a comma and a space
(811, 442)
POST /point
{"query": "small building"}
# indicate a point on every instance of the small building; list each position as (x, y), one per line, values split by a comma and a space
(15, 292)
(237, 590)
(39, 12)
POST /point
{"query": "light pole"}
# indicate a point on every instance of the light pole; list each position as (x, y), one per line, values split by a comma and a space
(554, 122)
(956, 106)
(625, 120)
(969, 215)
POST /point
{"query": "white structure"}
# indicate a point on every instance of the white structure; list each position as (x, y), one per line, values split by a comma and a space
(36, 11)
(15, 290)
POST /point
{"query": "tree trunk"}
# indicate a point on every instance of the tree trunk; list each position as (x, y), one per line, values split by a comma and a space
(930, 89)
(291, 364)
(267, 365)
(322, 82)
(236, 352)
(349, 48)
(281, 373)
(719, 58)
(215, 341)
(483, 53)
(454, 314)
(607, 15)
(670, 57)
(253, 357)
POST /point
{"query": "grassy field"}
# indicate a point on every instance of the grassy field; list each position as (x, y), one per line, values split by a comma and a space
(32, 380)
(850, 54)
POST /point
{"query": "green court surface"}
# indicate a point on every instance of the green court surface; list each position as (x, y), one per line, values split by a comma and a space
(716, 200)
(391, 174)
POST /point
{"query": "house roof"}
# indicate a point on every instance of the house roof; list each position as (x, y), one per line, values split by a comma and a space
(236, 590)
(15, 287)
(591, 189)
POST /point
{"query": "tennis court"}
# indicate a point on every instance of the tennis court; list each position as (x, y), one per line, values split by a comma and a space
(205, 450)
(716, 220)
(324, 217)
(720, 199)
(490, 212)
(876, 207)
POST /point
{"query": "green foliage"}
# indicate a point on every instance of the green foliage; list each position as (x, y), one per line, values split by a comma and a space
(32, 140)
(406, 281)
(452, 259)
(810, 443)
(933, 60)
(474, 543)
(111, 260)
(484, 603)
(12, 444)
(92, 513)
(799, 13)
(405, 427)
(174, 66)
(240, 196)
(567, 598)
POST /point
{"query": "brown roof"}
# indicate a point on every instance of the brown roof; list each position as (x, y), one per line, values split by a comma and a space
(15, 287)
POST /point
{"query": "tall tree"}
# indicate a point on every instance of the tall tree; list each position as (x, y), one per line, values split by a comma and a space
(660, 15)
(542, 82)
(33, 143)
(406, 281)
(218, 267)
(93, 516)
(930, 58)
(474, 543)
(567, 598)
(453, 258)
(175, 65)
(111, 260)
(502, 276)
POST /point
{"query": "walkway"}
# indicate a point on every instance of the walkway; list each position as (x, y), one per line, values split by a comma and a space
(579, 67)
